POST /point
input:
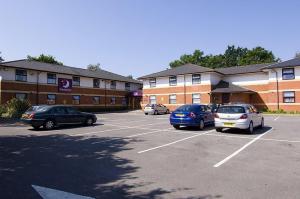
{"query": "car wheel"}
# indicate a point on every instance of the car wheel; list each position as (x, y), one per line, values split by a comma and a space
(155, 112)
(89, 121)
(168, 111)
(176, 126)
(219, 129)
(201, 125)
(49, 124)
(146, 113)
(262, 124)
(250, 128)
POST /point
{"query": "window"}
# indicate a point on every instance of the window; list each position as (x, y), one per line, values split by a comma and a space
(196, 78)
(76, 99)
(152, 99)
(51, 78)
(96, 100)
(172, 99)
(152, 83)
(173, 81)
(51, 98)
(58, 110)
(96, 83)
(124, 101)
(288, 73)
(196, 98)
(71, 110)
(21, 75)
(289, 96)
(113, 100)
(113, 84)
(127, 86)
(21, 96)
(76, 81)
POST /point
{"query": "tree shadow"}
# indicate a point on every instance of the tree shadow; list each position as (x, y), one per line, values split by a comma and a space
(84, 166)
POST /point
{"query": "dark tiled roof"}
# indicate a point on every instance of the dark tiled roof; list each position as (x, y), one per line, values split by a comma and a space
(288, 63)
(180, 70)
(40, 66)
(225, 87)
(242, 69)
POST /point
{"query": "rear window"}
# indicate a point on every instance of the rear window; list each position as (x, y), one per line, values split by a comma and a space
(38, 108)
(188, 108)
(150, 105)
(231, 109)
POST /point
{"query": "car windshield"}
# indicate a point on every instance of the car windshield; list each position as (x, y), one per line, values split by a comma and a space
(38, 108)
(150, 105)
(187, 108)
(231, 109)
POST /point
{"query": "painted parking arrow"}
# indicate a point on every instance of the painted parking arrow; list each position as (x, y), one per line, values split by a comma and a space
(47, 193)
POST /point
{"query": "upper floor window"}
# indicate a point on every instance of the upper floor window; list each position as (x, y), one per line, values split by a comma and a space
(76, 81)
(172, 99)
(127, 86)
(152, 83)
(289, 97)
(196, 78)
(113, 84)
(173, 81)
(21, 96)
(51, 78)
(288, 73)
(21, 75)
(96, 83)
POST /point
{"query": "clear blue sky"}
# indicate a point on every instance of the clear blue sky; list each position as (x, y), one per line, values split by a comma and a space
(141, 36)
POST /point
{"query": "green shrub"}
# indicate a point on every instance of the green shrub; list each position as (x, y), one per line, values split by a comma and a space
(2, 110)
(15, 107)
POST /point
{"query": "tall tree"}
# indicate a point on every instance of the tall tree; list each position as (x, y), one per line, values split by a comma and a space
(195, 58)
(45, 58)
(1, 59)
(93, 67)
(233, 55)
(258, 55)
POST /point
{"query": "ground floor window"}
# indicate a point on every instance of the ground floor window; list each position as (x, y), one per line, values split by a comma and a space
(289, 96)
(76, 99)
(172, 99)
(21, 96)
(113, 100)
(152, 99)
(196, 98)
(51, 98)
(96, 100)
(124, 101)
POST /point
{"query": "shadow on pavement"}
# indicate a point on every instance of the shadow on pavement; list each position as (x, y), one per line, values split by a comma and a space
(84, 166)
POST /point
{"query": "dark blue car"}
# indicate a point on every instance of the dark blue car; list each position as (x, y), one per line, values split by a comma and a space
(196, 115)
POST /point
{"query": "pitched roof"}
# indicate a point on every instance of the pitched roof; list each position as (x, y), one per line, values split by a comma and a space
(291, 62)
(225, 87)
(40, 66)
(242, 69)
(180, 70)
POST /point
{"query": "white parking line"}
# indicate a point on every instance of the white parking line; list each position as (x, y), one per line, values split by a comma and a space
(241, 149)
(277, 118)
(161, 146)
(151, 132)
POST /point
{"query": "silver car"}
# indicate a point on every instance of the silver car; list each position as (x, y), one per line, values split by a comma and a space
(239, 116)
(156, 109)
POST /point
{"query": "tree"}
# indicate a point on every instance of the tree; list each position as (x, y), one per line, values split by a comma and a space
(45, 58)
(93, 67)
(195, 58)
(130, 76)
(258, 55)
(232, 55)
(1, 59)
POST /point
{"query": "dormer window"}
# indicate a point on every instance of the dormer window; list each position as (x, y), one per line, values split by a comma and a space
(113, 85)
(21, 75)
(196, 78)
(152, 82)
(288, 73)
(173, 81)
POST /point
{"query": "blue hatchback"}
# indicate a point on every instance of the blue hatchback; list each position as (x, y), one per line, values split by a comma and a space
(196, 115)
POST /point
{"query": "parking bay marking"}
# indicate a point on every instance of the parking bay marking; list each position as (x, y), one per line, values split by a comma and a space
(241, 149)
(277, 118)
(164, 145)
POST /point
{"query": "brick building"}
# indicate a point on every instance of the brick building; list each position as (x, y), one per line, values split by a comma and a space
(43, 83)
(267, 86)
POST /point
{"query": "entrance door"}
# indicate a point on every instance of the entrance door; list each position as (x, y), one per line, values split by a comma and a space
(225, 98)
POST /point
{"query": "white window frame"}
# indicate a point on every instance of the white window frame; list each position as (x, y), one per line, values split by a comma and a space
(76, 101)
(291, 75)
(52, 80)
(95, 101)
(76, 83)
(173, 99)
(21, 77)
(173, 80)
(49, 100)
(152, 82)
(21, 98)
(153, 99)
(289, 98)
(196, 100)
(196, 78)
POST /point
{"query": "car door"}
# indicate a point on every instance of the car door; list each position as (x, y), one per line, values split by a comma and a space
(205, 114)
(210, 114)
(256, 116)
(75, 117)
(59, 114)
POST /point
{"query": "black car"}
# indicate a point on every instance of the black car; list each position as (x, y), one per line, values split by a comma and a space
(52, 116)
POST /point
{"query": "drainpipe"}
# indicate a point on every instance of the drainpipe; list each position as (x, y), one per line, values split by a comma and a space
(37, 87)
(277, 88)
(184, 91)
(105, 96)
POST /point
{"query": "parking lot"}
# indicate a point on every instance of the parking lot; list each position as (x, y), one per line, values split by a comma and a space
(130, 155)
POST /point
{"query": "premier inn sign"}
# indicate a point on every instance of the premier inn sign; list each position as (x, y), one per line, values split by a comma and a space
(64, 85)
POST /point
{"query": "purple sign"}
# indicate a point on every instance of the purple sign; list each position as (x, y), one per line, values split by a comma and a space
(64, 85)
(137, 93)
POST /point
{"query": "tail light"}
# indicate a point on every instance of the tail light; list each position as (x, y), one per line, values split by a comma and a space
(244, 116)
(31, 116)
(216, 115)
(192, 115)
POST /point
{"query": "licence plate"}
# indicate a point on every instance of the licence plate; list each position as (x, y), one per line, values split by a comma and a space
(229, 124)
(179, 115)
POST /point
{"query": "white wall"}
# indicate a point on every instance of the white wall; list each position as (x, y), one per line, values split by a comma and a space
(248, 79)
(272, 74)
